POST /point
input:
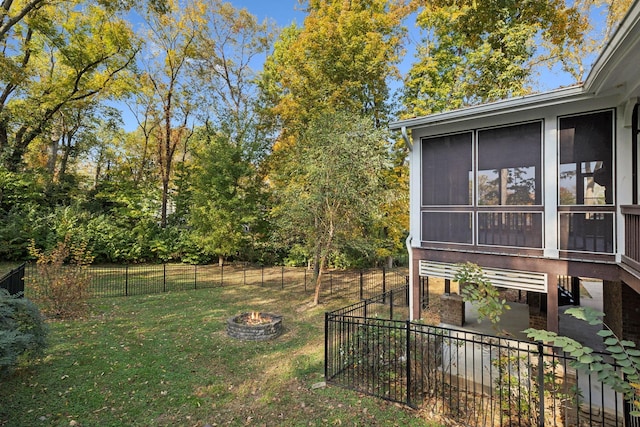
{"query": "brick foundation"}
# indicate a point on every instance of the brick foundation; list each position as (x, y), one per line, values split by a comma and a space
(452, 309)
(537, 317)
(612, 306)
(621, 306)
(630, 315)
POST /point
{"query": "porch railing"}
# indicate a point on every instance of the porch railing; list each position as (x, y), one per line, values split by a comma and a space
(631, 256)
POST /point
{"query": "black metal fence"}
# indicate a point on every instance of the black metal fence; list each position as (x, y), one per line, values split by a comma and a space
(127, 280)
(388, 305)
(13, 281)
(472, 378)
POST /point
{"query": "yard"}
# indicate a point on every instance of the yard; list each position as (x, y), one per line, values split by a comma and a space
(165, 359)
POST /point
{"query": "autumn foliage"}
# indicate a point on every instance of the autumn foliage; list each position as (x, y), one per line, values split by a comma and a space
(60, 286)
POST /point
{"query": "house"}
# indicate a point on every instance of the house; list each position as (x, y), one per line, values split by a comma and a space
(535, 189)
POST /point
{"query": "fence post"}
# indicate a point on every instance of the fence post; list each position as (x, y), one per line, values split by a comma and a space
(195, 276)
(541, 384)
(406, 296)
(222, 274)
(326, 345)
(164, 277)
(361, 285)
(408, 362)
(391, 305)
(384, 284)
(126, 280)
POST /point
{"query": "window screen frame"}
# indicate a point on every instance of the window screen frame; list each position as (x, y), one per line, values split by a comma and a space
(608, 209)
(611, 158)
(536, 209)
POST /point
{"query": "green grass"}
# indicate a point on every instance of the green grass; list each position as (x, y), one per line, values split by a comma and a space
(165, 360)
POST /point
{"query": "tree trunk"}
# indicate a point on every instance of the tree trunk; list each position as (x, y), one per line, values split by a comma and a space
(165, 198)
(316, 296)
(389, 261)
(64, 161)
(317, 273)
(53, 158)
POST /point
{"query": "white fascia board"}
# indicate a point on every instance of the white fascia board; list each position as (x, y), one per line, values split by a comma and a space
(511, 105)
(617, 51)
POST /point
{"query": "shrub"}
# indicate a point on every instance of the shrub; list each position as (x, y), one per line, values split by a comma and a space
(478, 290)
(22, 331)
(624, 354)
(61, 285)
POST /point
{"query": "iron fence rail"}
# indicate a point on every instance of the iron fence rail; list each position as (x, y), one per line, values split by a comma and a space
(13, 281)
(127, 280)
(473, 378)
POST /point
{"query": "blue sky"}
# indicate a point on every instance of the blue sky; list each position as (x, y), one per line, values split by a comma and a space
(284, 12)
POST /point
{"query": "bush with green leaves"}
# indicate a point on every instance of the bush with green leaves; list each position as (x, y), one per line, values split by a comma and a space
(23, 332)
(476, 289)
(624, 355)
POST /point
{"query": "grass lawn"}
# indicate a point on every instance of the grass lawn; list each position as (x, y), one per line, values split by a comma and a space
(165, 360)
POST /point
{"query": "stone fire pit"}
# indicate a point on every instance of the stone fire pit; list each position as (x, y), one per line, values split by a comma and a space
(254, 326)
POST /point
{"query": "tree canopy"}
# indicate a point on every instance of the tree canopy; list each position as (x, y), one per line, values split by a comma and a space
(476, 51)
(342, 58)
(56, 55)
(335, 185)
(287, 163)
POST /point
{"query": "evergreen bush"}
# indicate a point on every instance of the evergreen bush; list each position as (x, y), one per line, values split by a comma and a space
(23, 332)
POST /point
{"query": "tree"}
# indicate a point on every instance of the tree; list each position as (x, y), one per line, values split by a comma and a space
(14, 13)
(574, 55)
(22, 209)
(479, 51)
(340, 62)
(55, 55)
(226, 204)
(341, 59)
(390, 230)
(228, 46)
(173, 33)
(64, 157)
(334, 185)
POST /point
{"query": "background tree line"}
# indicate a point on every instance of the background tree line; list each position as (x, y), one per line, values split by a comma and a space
(290, 163)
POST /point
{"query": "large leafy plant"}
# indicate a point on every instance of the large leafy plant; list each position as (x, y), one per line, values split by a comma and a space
(479, 291)
(624, 356)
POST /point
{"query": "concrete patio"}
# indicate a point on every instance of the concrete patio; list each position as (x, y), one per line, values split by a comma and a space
(516, 320)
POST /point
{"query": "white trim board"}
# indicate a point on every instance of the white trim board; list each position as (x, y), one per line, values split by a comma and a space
(512, 279)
